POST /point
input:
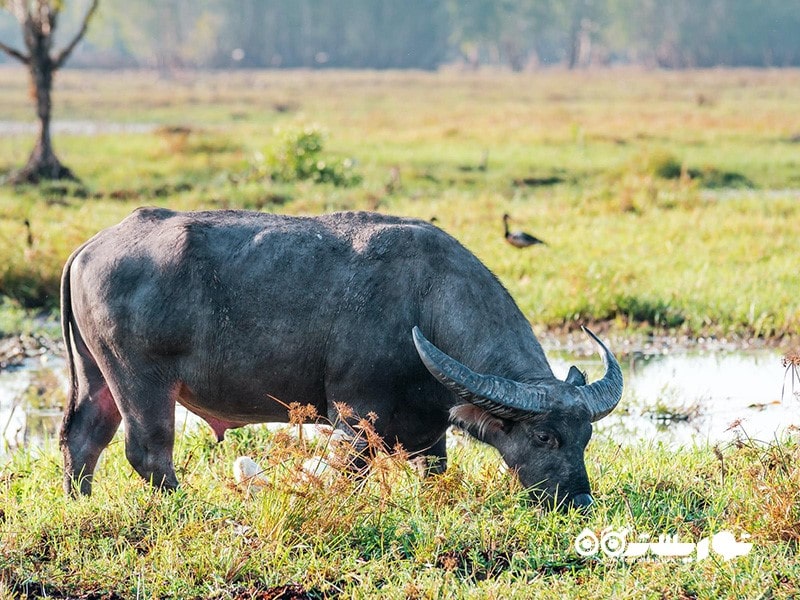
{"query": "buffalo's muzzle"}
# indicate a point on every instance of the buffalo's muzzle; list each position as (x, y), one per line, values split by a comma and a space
(581, 502)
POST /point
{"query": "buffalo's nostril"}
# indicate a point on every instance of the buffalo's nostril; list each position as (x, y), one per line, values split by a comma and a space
(582, 502)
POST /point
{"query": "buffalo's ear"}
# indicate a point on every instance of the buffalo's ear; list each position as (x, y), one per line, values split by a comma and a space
(477, 422)
(576, 376)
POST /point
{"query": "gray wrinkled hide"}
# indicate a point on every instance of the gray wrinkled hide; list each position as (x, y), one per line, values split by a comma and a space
(221, 311)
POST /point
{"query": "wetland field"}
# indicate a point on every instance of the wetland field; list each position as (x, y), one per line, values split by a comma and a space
(669, 203)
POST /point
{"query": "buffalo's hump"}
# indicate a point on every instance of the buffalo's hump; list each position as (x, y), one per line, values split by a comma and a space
(224, 256)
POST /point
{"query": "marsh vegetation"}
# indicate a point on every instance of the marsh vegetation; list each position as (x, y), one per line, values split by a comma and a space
(659, 211)
(667, 201)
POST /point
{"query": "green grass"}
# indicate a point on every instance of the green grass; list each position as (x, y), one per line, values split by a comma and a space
(467, 534)
(663, 211)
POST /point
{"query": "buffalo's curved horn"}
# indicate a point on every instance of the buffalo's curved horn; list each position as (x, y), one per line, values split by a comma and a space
(602, 396)
(503, 398)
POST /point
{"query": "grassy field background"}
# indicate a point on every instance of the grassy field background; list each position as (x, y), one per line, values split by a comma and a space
(667, 199)
(669, 202)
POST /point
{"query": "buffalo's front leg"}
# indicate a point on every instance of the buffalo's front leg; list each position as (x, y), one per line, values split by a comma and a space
(350, 448)
(435, 457)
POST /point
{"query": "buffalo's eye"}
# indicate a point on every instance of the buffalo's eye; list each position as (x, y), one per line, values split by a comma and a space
(545, 438)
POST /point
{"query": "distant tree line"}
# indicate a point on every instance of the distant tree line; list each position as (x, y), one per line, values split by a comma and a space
(426, 34)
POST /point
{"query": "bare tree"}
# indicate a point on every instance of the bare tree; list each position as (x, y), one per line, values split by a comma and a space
(38, 19)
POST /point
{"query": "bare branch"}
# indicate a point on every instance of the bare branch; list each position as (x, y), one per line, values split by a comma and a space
(45, 17)
(18, 8)
(62, 56)
(15, 53)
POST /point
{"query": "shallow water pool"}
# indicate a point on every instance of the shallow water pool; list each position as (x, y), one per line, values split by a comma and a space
(678, 397)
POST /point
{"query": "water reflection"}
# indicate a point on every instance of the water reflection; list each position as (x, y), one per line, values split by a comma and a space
(31, 401)
(677, 398)
(698, 397)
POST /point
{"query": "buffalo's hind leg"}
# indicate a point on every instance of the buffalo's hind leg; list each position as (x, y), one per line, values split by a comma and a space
(148, 406)
(89, 424)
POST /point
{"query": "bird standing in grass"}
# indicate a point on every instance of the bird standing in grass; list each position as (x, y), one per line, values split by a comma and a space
(519, 239)
(29, 237)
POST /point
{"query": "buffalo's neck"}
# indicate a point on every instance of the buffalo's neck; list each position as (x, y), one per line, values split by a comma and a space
(516, 357)
(492, 339)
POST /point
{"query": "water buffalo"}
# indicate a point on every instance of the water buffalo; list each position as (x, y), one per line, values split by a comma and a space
(226, 311)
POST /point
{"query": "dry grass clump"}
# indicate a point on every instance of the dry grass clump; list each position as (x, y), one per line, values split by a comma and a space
(765, 486)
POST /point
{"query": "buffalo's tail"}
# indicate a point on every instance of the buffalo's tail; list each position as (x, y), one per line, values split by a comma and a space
(69, 330)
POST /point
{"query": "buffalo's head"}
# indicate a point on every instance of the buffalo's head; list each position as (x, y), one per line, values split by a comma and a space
(541, 429)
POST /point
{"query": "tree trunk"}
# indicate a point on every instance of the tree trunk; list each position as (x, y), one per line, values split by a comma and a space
(42, 163)
(38, 20)
(574, 49)
(576, 31)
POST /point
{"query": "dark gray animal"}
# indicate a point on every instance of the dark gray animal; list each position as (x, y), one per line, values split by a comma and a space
(223, 312)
